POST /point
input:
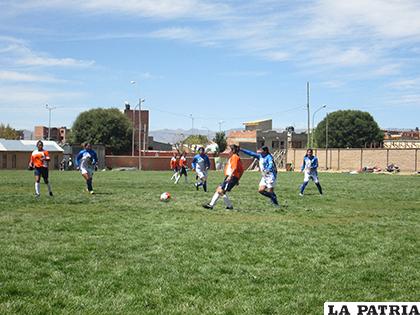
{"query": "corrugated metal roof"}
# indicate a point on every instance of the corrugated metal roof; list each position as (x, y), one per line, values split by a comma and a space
(255, 122)
(27, 145)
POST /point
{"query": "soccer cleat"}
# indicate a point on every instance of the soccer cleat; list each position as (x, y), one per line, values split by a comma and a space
(37, 195)
(92, 192)
(229, 208)
(300, 194)
(196, 186)
(207, 206)
(51, 194)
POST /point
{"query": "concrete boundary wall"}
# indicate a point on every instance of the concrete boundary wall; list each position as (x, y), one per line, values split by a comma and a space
(354, 159)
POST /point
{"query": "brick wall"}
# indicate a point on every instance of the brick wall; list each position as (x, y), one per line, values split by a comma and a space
(353, 159)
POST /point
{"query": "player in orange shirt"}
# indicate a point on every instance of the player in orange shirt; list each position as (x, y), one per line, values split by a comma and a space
(233, 172)
(39, 161)
(182, 168)
(174, 165)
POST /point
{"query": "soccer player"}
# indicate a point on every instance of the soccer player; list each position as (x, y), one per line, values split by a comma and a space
(86, 161)
(182, 168)
(174, 166)
(233, 172)
(39, 163)
(310, 169)
(268, 170)
(201, 165)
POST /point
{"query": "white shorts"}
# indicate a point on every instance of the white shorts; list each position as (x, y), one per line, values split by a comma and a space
(311, 175)
(201, 174)
(86, 170)
(268, 180)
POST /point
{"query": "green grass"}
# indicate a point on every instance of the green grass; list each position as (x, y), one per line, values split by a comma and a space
(122, 251)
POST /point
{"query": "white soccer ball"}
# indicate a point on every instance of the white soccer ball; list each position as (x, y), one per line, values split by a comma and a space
(165, 196)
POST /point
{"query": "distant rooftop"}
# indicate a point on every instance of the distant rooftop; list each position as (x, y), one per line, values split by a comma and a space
(255, 122)
(27, 145)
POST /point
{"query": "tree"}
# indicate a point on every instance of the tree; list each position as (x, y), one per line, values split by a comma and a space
(196, 139)
(104, 126)
(7, 132)
(349, 129)
(220, 139)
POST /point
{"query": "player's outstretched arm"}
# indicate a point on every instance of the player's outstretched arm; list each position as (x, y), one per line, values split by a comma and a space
(250, 153)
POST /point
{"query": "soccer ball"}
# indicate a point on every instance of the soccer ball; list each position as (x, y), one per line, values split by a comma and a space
(165, 196)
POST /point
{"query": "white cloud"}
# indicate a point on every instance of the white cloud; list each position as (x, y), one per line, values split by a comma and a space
(16, 52)
(26, 77)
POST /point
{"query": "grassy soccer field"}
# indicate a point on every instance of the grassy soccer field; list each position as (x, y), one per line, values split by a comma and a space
(122, 251)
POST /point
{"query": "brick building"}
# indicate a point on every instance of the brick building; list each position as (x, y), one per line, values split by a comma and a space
(259, 133)
(57, 134)
(142, 124)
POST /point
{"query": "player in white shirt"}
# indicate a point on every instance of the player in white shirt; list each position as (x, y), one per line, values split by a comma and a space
(201, 165)
(86, 161)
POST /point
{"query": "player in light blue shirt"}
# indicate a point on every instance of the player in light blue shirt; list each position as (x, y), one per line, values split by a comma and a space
(86, 162)
(201, 165)
(310, 169)
(268, 171)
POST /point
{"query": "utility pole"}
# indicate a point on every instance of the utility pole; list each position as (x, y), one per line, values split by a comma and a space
(326, 139)
(220, 122)
(49, 108)
(309, 117)
(192, 124)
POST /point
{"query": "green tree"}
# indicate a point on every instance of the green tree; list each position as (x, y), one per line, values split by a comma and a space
(103, 126)
(220, 139)
(348, 129)
(196, 139)
(7, 132)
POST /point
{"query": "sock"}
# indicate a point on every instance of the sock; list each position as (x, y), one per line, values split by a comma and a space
(173, 176)
(319, 187)
(186, 179)
(37, 188)
(205, 186)
(302, 188)
(227, 201)
(89, 184)
(214, 199)
(177, 178)
(49, 187)
(274, 198)
(266, 194)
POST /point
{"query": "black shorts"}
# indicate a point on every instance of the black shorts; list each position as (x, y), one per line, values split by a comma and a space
(41, 171)
(228, 185)
(183, 171)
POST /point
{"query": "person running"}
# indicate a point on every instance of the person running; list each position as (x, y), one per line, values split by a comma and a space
(182, 168)
(201, 165)
(268, 171)
(174, 164)
(86, 162)
(39, 163)
(310, 169)
(233, 173)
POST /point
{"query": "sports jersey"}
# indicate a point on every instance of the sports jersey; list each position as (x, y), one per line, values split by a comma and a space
(86, 159)
(173, 163)
(40, 158)
(183, 161)
(266, 163)
(310, 164)
(201, 162)
(234, 167)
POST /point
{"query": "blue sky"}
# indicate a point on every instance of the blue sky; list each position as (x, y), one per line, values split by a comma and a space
(217, 60)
